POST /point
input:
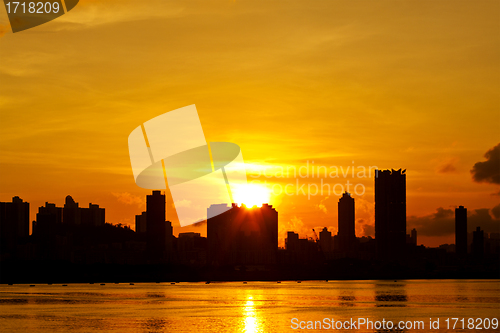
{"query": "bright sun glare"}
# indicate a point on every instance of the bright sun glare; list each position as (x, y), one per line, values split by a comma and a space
(252, 195)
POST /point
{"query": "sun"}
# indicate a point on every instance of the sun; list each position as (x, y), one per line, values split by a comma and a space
(251, 195)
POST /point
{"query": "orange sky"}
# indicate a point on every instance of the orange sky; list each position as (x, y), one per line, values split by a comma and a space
(393, 84)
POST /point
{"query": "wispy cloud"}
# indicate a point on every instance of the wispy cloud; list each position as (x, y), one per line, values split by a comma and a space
(90, 13)
(321, 206)
(448, 165)
(129, 199)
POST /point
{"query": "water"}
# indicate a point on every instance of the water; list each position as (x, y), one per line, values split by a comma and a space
(238, 307)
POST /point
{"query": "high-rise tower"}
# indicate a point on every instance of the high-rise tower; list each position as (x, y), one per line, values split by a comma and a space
(347, 234)
(390, 213)
(158, 231)
(461, 231)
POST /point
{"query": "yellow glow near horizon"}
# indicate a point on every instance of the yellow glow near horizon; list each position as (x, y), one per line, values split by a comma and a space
(252, 195)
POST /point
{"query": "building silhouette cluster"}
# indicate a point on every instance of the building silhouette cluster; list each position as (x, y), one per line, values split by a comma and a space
(242, 236)
(50, 216)
(239, 239)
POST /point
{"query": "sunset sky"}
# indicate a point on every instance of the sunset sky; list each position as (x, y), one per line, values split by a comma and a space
(391, 84)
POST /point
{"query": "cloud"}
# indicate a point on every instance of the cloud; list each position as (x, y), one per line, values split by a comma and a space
(364, 228)
(448, 166)
(296, 225)
(365, 221)
(482, 218)
(496, 211)
(322, 206)
(129, 199)
(442, 222)
(94, 13)
(489, 170)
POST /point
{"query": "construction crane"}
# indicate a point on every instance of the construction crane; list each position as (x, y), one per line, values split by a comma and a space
(320, 249)
(315, 236)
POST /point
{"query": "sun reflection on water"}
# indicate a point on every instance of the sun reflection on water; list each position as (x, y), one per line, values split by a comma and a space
(251, 320)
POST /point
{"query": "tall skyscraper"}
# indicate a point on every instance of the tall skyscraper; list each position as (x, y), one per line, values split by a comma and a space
(241, 235)
(390, 213)
(414, 236)
(461, 231)
(411, 239)
(158, 231)
(346, 227)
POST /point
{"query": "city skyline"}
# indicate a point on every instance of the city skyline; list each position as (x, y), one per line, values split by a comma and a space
(487, 216)
(241, 242)
(389, 201)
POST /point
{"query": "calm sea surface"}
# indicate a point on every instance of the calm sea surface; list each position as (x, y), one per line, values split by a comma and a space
(251, 307)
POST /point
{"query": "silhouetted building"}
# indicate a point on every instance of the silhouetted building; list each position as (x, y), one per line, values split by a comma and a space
(93, 216)
(390, 213)
(461, 231)
(335, 242)
(325, 240)
(366, 247)
(71, 212)
(48, 218)
(14, 224)
(478, 243)
(303, 251)
(158, 231)
(292, 241)
(308, 252)
(346, 233)
(411, 239)
(191, 248)
(140, 223)
(493, 243)
(241, 235)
